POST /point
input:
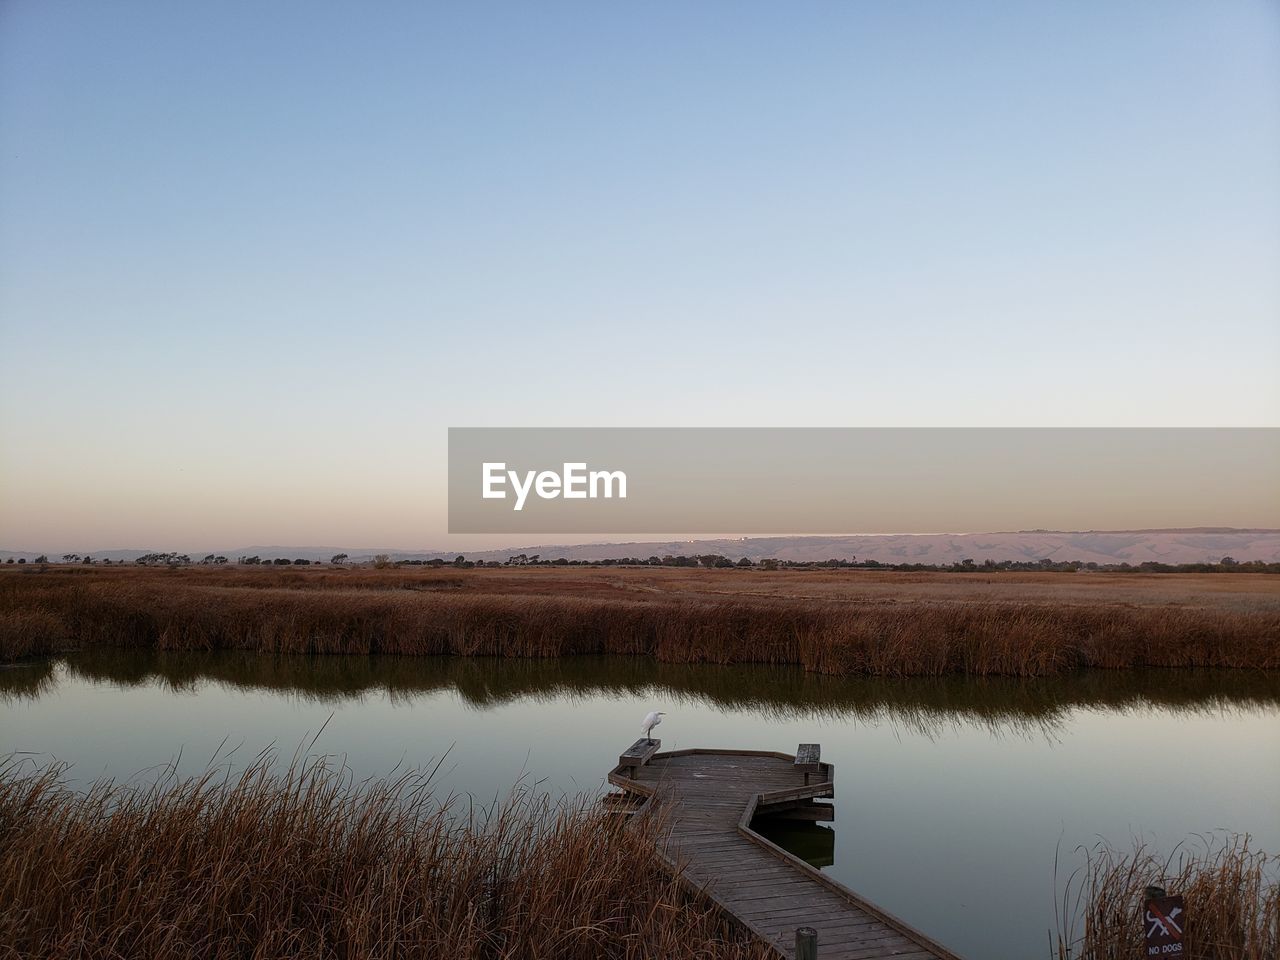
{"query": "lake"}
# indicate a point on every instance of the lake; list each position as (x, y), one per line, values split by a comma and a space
(953, 796)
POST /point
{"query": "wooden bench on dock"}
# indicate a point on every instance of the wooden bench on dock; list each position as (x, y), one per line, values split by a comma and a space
(809, 759)
(712, 797)
(638, 754)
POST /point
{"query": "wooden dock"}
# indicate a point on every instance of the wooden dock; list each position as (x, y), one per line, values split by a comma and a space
(712, 797)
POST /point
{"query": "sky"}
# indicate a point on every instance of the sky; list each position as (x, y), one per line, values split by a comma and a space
(255, 259)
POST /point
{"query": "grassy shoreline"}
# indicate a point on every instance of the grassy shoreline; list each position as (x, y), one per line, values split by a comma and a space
(1232, 895)
(842, 624)
(308, 862)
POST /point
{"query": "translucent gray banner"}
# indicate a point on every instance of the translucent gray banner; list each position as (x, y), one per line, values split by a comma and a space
(856, 480)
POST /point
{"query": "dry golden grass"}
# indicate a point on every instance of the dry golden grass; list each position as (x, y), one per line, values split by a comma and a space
(308, 863)
(1232, 897)
(839, 623)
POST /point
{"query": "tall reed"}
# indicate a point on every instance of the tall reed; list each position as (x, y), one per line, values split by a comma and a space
(309, 863)
(975, 637)
(1232, 897)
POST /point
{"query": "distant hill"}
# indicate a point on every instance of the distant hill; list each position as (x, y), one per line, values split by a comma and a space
(1120, 546)
(1194, 545)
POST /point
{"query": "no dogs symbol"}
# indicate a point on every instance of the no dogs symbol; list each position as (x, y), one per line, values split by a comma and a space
(1164, 920)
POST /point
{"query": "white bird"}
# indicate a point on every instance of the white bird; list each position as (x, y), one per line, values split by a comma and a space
(651, 720)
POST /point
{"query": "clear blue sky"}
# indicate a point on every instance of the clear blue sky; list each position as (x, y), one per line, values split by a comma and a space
(255, 258)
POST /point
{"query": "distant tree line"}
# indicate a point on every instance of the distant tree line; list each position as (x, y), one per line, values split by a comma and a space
(719, 561)
(704, 560)
(277, 562)
(163, 559)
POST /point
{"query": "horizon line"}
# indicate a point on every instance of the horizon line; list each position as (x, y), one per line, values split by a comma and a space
(664, 541)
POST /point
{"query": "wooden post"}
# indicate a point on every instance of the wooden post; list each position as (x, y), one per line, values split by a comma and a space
(806, 943)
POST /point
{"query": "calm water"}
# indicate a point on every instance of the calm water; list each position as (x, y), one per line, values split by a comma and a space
(952, 797)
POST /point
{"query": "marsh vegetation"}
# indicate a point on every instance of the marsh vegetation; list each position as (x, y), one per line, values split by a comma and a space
(309, 862)
(1231, 892)
(838, 623)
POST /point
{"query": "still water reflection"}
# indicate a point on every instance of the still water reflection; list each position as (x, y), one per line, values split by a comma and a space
(952, 796)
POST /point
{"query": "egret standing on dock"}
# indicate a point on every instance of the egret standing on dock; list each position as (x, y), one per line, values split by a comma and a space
(651, 720)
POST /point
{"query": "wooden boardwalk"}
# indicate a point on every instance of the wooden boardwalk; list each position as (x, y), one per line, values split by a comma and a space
(712, 797)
